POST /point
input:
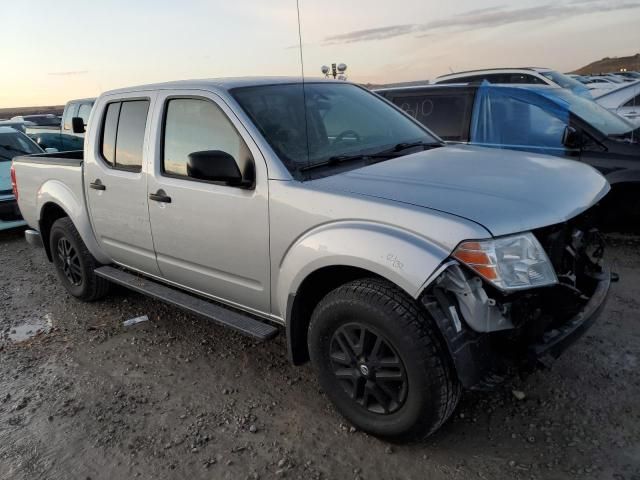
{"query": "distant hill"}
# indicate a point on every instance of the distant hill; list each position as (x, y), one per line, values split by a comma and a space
(611, 64)
(7, 113)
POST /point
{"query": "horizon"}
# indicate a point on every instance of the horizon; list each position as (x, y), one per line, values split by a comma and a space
(117, 43)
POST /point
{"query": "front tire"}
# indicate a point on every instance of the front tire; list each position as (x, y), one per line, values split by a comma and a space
(381, 361)
(74, 263)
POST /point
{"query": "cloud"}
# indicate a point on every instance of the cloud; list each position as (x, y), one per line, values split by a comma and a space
(74, 72)
(371, 34)
(484, 18)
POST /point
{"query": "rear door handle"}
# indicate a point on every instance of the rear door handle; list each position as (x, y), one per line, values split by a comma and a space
(160, 196)
(97, 185)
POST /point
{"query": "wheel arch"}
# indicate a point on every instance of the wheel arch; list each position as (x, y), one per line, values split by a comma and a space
(334, 254)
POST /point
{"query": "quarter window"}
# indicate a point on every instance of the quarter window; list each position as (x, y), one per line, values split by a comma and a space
(196, 125)
(123, 134)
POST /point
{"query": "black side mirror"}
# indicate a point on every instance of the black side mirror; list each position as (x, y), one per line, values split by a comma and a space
(77, 125)
(216, 166)
(571, 138)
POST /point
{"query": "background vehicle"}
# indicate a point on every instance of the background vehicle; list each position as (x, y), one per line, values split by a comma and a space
(624, 101)
(537, 119)
(44, 120)
(319, 207)
(521, 76)
(62, 136)
(12, 143)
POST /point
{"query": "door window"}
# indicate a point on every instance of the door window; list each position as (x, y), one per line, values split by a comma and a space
(507, 121)
(446, 114)
(84, 111)
(196, 125)
(123, 134)
(70, 112)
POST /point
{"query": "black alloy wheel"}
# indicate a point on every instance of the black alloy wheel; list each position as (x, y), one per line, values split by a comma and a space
(368, 368)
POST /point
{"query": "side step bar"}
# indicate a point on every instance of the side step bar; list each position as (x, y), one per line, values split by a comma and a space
(240, 322)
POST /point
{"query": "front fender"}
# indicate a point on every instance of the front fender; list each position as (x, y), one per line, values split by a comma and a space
(401, 257)
(58, 193)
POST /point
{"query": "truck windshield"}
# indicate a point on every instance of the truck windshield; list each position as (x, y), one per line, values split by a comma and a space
(340, 120)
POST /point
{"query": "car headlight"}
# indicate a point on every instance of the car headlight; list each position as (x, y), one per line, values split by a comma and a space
(514, 262)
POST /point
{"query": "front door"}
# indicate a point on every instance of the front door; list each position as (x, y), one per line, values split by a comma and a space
(116, 183)
(210, 237)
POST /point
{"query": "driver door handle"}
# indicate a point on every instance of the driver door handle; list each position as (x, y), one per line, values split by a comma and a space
(160, 196)
(97, 185)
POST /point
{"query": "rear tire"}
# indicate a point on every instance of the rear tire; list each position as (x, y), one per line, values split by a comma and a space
(396, 380)
(74, 263)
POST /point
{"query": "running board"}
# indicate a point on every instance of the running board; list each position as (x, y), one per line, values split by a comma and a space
(233, 319)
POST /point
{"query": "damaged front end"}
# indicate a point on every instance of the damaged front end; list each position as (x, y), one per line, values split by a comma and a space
(491, 329)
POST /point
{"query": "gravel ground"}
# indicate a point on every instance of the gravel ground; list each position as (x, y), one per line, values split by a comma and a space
(177, 397)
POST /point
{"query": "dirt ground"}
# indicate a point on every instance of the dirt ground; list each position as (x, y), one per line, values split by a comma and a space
(177, 397)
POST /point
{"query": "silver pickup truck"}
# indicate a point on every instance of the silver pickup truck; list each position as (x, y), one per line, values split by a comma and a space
(404, 269)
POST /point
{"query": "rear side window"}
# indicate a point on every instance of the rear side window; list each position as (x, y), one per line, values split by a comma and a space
(123, 134)
(446, 114)
(109, 133)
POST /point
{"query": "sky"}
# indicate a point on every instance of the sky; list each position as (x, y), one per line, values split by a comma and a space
(56, 51)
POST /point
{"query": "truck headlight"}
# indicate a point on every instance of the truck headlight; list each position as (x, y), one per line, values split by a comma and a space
(514, 262)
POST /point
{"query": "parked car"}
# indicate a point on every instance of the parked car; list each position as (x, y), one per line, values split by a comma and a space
(624, 101)
(520, 76)
(48, 119)
(537, 119)
(12, 143)
(403, 268)
(630, 75)
(63, 137)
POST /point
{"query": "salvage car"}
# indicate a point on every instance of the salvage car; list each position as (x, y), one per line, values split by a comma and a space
(538, 119)
(403, 268)
(624, 101)
(12, 143)
(519, 76)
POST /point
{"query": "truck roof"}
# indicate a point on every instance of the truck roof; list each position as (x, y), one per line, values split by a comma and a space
(219, 83)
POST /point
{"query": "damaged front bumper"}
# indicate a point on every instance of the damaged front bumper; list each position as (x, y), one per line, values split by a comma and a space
(557, 340)
(490, 333)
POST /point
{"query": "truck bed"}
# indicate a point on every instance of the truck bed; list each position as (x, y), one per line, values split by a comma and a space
(72, 158)
(47, 177)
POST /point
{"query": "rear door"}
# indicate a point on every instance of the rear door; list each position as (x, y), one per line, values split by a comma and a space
(211, 237)
(116, 181)
(446, 112)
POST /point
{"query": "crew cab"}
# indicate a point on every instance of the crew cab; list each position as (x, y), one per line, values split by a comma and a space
(404, 269)
(538, 119)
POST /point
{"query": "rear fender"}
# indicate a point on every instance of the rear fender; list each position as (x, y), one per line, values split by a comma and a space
(57, 193)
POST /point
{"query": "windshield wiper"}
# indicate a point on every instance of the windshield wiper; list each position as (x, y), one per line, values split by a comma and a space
(395, 151)
(335, 160)
(400, 147)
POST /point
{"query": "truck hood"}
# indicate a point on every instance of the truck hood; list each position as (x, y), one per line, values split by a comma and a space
(504, 191)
